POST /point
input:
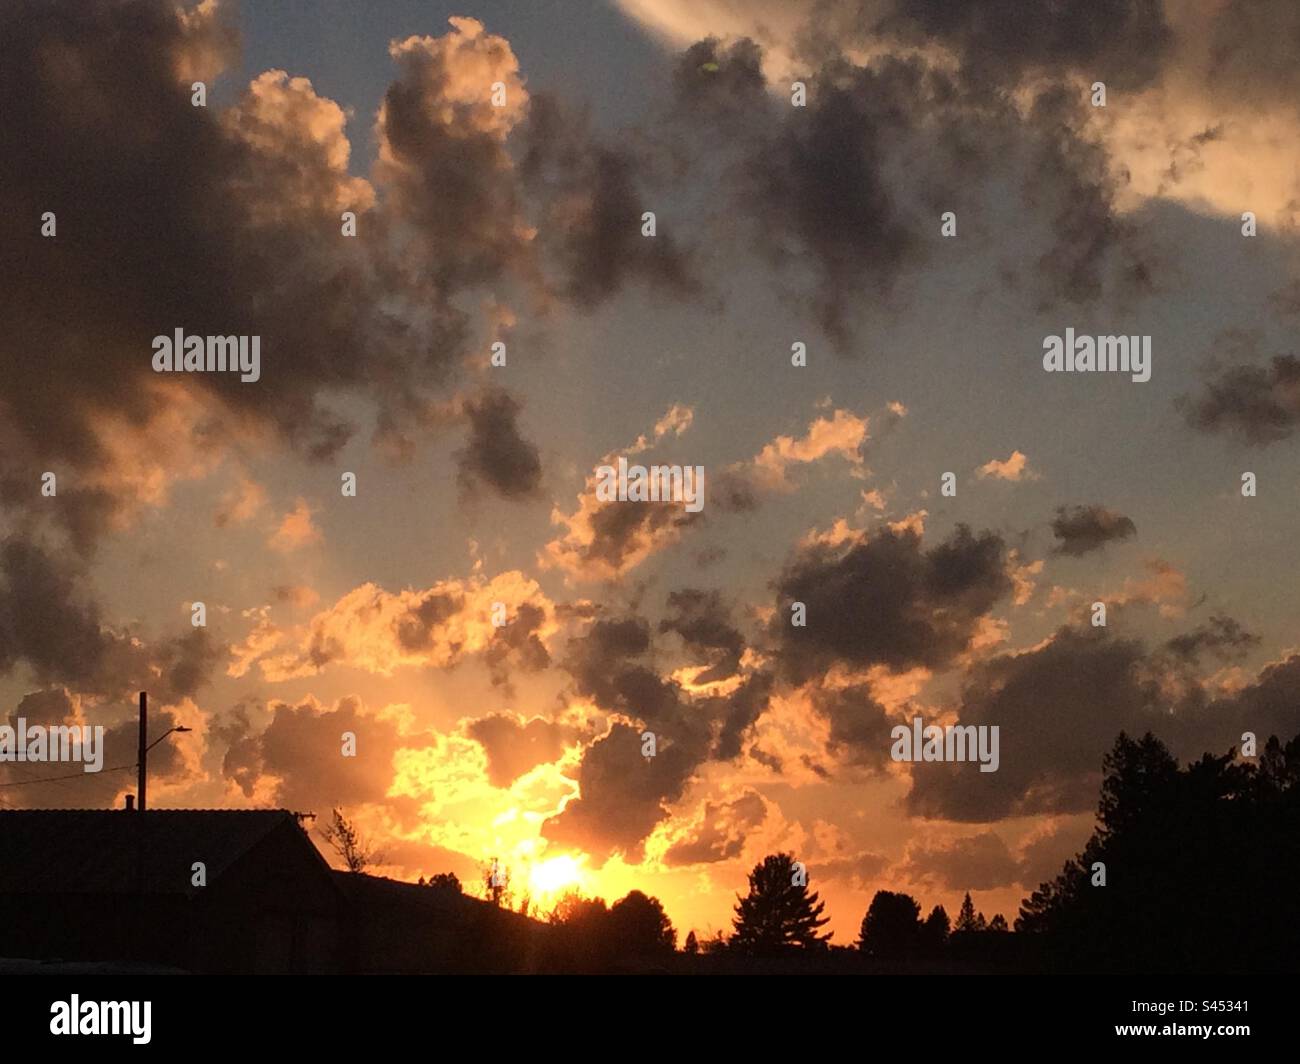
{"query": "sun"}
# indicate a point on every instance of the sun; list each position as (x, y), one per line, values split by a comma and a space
(554, 875)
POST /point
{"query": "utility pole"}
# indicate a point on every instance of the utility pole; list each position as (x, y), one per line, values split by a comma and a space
(141, 770)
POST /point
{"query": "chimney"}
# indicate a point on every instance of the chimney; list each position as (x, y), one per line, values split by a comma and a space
(130, 803)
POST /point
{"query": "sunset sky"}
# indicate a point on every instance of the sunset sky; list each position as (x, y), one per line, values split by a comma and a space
(775, 225)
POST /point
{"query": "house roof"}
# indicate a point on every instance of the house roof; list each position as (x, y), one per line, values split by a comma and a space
(111, 851)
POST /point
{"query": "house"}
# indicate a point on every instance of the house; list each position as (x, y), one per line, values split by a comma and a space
(124, 886)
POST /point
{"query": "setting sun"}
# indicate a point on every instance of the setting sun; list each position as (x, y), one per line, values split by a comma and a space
(555, 875)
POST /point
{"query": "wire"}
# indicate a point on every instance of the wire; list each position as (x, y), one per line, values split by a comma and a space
(72, 776)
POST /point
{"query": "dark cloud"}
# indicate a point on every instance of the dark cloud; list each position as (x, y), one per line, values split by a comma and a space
(416, 629)
(1251, 52)
(844, 194)
(885, 600)
(721, 833)
(619, 529)
(496, 454)
(1256, 404)
(301, 751)
(514, 747)
(856, 870)
(972, 862)
(703, 621)
(1222, 637)
(218, 222)
(1120, 42)
(592, 207)
(859, 725)
(624, 795)
(93, 790)
(517, 644)
(52, 627)
(1058, 709)
(1080, 529)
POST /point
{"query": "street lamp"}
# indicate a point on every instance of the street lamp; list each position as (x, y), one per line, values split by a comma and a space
(142, 772)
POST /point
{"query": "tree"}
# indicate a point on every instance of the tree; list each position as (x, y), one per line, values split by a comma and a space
(1181, 865)
(891, 927)
(778, 912)
(935, 930)
(967, 920)
(341, 835)
(692, 945)
(998, 923)
(445, 881)
(584, 932)
(640, 925)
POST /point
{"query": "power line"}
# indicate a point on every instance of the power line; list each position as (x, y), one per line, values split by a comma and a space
(71, 776)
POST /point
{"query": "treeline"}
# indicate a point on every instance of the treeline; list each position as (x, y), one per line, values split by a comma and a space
(1193, 869)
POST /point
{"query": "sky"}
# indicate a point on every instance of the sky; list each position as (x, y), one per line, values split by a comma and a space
(499, 160)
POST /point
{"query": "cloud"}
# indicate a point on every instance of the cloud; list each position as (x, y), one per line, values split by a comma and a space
(1013, 468)
(495, 453)
(971, 862)
(604, 540)
(437, 627)
(1081, 529)
(295, 530)
(1058, 709)
(513, 747)
(299, 754)
(49, 625)
(719, 832)
(886, 600)
(622, 794)
(592, 213)
(704, 623)
(1258, 405)
(1222, 637)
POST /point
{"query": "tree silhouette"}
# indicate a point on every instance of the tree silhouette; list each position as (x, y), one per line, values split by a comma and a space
(341, 835)
(445, 881)
(1194, 869)
(778, 912)
(967, 920)
(639, 925)
(891, 927)
(935, 930)
(998, 923)
(692, 945)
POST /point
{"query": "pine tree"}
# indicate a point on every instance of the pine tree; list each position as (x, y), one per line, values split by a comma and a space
(777, 913)
(692, 945)
(966, 918)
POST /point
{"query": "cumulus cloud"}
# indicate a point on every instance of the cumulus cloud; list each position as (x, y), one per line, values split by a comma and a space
(513, 747)
(719, 831)
(1015, 467)
(437, 627)
(495, 453)
(1257, 404)
(1081, 529)
(886, 600)
(296, 759)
